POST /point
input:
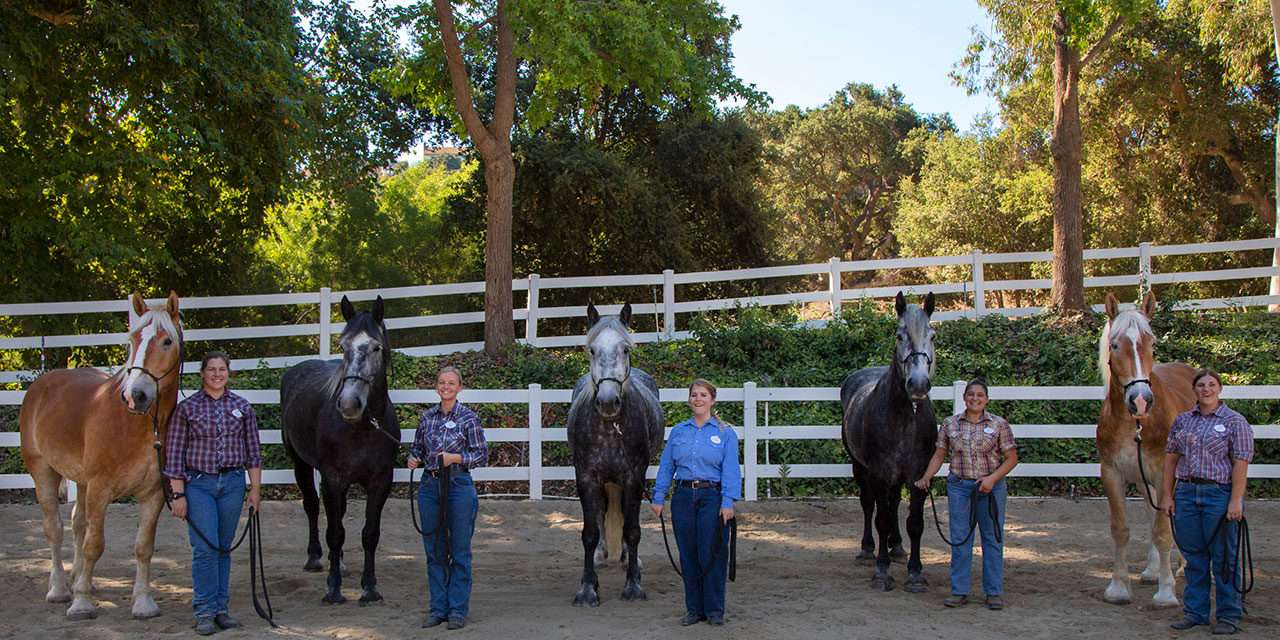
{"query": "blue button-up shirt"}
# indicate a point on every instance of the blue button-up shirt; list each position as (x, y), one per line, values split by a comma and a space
(709, 452)
(455, 431)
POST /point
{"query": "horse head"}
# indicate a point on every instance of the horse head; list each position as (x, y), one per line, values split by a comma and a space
(365, 354)
(155, 351)
(913, 355)
(609, 347)
(1126, 353)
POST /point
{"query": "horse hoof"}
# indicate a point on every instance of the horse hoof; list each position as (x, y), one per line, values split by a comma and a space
(82, 612)
(633, 592)
(144, 608)
(333, 598)
(915, 584)
(897, 552)
(587, 597)
(313, 565)
(866, 554)
(369, 597)
(882, 583)
(58, 595)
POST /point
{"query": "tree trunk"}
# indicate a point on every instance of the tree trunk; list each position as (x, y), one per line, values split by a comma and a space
(499, 181)
(1275, 254)
(1066, 145)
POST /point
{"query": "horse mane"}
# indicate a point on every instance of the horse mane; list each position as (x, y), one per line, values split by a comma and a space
(158, 314)
(1124, 321)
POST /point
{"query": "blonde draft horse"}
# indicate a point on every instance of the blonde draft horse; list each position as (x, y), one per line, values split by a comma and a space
(1139, 391)
(96, 430)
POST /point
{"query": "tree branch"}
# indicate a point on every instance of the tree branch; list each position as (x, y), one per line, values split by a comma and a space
(1102, 42)
(461, 84)
(504, 107)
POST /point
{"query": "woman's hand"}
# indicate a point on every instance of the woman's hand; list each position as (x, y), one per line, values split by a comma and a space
(1166, 504)
(986, 484)
(413, 463)
(1235, 509)
(657, 509)
(255, 498)
(179, 508)
(923, 483)
(726, 514)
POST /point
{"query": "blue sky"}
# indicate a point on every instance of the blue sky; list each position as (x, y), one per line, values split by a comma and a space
(802, 51)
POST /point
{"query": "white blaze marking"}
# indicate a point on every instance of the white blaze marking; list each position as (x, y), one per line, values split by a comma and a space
(1132, 334)
(139, 358)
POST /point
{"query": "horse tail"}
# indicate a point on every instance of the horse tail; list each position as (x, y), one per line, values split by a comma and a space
(613, 521)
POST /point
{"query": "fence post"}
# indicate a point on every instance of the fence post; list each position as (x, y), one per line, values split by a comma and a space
(1144, 268)
(979, 286)
(71, 490)
(957, 402)
(535, 441)
(669, 303)
(326, 313)
(531, 316)
(833, 285)
(749, 480)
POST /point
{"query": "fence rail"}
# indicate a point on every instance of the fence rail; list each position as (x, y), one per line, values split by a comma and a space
(751, 433)
(974, 292)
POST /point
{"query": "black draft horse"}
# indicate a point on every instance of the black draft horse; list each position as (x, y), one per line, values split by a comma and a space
(615, 427)
(337, 418)
(890, 433)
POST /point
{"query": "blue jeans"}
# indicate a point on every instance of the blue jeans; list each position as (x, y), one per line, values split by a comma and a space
(214, 502)
(695, 517)
(1197, 510)
(449, 583)
(962, 498)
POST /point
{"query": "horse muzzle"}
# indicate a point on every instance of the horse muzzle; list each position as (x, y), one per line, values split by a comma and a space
(608, 399)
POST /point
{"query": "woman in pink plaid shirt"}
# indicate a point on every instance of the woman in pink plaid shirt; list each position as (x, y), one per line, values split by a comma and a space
(982, 452)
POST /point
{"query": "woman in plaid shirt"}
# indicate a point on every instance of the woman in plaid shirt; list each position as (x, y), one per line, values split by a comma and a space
(982, 452)
(1208, 451)
(211, 441)
(449, 435)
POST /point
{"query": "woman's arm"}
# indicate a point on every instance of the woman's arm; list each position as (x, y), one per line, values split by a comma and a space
(476, 453)
(730, 475)
(935, 463)
(666, 471)
(1171, 459)
(1239, 478)
(1010, 461)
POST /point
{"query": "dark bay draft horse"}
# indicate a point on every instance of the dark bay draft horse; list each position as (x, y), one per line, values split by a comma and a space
(890, 432)
(97, 431)
(337, 418)
(1138, 391)
(615, 427)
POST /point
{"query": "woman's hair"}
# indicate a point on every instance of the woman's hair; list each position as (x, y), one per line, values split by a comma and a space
(448, 368)
(215, 355)
(978, 382)
(1206, 372)
(711, 389)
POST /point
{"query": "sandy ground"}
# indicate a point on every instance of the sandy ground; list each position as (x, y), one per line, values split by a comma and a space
(797, 579)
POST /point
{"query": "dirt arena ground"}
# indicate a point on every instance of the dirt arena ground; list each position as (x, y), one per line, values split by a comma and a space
(796, 579)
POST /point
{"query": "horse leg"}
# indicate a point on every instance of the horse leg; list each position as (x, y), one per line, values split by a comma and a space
(335, 508)
(1113, 484)
(377, 498)
(94, 501)
(79, 525)
(884, 529)
(1161, 543)
(896, 552)
(149, 509)
(631, 538)
(47, 481)
(305, 476)
(916, 582)
(592, 496)
(868, 502)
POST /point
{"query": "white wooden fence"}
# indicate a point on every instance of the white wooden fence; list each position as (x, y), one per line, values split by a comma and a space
(752, 432)
(973, 291)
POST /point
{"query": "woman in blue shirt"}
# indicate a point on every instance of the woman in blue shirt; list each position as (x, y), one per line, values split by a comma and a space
(702, 458)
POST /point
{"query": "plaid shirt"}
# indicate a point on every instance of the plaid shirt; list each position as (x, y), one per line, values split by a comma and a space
(975, 448)
(457, 431)
(209, 435)
(1208, 444)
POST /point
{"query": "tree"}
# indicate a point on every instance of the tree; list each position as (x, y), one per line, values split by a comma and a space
(469, 62)
(833, 172)
(1066, 37)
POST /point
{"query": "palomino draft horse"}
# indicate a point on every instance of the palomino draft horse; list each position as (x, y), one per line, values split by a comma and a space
(98, 431)
(615, 427)
(337, 418)
(890, 432)
(1139, 391)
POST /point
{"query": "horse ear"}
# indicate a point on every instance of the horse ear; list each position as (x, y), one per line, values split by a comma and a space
(592, 314)
(900, 304)
(1112, 306)
(348, 311)
(625, 316)
(928, 304)
(139, 304)
(1149, 305)
(378, 310)
(172, 304)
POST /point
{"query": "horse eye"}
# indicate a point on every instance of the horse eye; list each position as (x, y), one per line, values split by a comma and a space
(377, 347)
(1114, 346)
(168, 341)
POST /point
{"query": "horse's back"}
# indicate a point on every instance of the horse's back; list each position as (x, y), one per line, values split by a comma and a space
(856, 388)
(302, 394)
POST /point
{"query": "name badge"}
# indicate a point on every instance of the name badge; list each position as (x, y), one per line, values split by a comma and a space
(988, 430)
(236, 413)
(451, 425)
(715, 440)
(1220, 428)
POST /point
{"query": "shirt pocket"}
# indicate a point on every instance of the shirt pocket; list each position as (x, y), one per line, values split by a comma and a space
(681, 445)
(1214, 444)
(205, 426)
